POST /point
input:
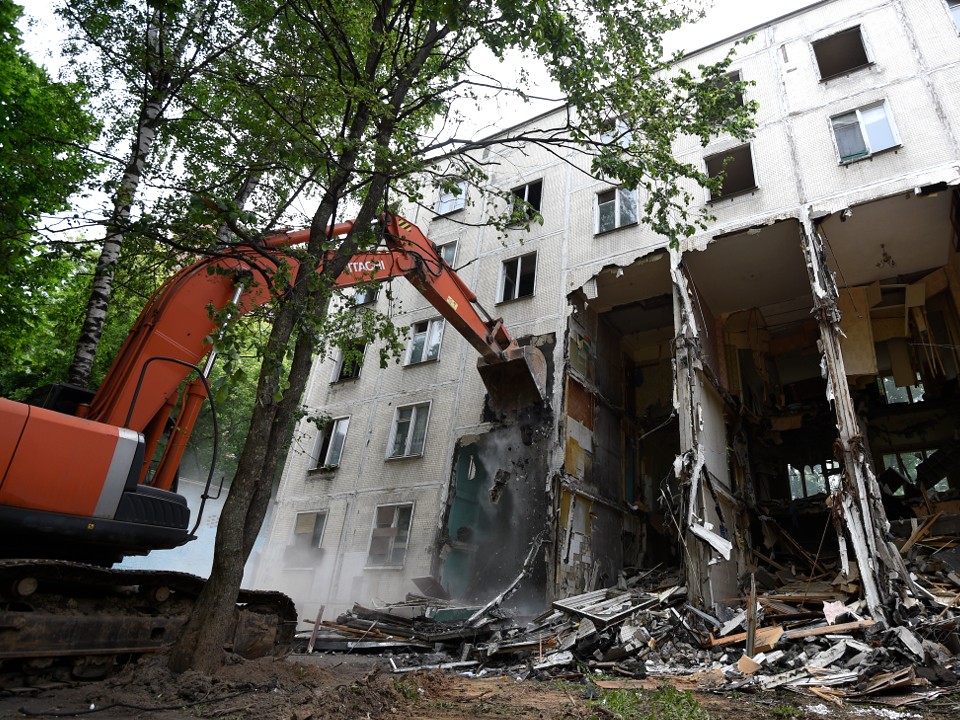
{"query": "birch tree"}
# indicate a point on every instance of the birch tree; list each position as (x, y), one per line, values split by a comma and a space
(138, 57)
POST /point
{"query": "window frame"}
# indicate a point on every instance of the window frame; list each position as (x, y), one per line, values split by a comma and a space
(441, 251)
(341, 365)
(618, 193)
(953, 8)
(370, 564)
(864, 135)
(722, 155)
(418, 410)
(323, 445)
(819, 476)
(365, 295)
(521, 198)
(735, 76)
(867, 62)
(614, 131)
(316, 539)
(449, 202)
(502, 280)
(908, 394)
(408, 359)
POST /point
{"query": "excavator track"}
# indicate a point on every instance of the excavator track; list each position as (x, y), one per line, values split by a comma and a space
(63, 620)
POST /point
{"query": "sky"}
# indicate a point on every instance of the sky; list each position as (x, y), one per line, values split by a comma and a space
(724, 18)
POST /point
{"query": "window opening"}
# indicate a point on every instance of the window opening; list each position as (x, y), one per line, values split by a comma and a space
(737, 172)
(409, 430)
(894, 395)
(328, 446)
(809, 480)
(615, 131)
(616, 207)
(517, 277)
(954, 7)
(308, 529)
(448, 251)
(366, 295)
(424, 342)
(840, 53)
(735, 77)
(349, 363)
(863, 131)
(391, 533)
(452, 197)
(527, 198)
(908, 464)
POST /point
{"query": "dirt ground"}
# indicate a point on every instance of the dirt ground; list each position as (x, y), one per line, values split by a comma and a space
(319, 687)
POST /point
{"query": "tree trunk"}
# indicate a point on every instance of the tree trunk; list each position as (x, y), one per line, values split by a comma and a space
(200, 646)
(92, 331)
(157, 83)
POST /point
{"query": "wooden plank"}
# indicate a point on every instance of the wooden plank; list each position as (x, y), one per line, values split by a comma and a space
(316, 628)
(920, 533)
(859, 355)
(765, 639)
(904, 374)
(770, 561)
(828, 629)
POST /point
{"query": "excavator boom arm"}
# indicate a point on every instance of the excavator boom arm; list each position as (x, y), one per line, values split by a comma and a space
(179, 319)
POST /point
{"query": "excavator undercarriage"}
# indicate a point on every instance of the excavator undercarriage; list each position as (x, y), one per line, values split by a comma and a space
(62, 620)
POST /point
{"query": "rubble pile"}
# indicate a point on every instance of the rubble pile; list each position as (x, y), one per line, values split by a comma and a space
(798, 624)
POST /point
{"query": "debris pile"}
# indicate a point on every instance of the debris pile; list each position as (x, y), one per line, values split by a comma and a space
(798, 625)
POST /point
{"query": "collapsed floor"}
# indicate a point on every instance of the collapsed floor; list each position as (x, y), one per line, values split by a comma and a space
(805, 632)
(786, 389)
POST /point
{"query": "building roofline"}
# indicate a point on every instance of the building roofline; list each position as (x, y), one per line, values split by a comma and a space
(692, 53)
(750, 31)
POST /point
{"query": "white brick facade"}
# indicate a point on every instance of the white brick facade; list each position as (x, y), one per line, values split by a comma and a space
(914, 67)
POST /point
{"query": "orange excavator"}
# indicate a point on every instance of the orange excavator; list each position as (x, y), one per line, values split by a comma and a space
(91, 477)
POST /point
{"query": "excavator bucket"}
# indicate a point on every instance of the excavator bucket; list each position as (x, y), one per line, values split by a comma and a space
(516, 382)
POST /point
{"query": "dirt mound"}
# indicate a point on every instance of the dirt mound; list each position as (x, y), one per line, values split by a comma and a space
(266, 689)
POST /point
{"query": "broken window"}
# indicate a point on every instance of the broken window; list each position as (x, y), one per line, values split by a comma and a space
(409, 431)
(954, 7)
(365, 295)
(349, 361)
(616, 208)
(391, 532)
(453, 196)
(907, 464)
(731, 78)
(735, 166)
(424, 342)
(308, 529)
(894, 394)
(615, 131)
(810, 480)
(840, 53)
(448, 251)
(517, 276)
(328, 445)
(527, 199)
(863, 131)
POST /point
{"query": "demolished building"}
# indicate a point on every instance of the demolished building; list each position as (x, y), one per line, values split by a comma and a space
(782, 385)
